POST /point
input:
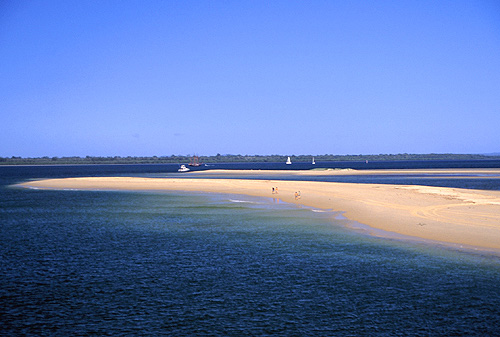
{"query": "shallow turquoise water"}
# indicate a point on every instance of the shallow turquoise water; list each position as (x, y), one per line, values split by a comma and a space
(123, 263)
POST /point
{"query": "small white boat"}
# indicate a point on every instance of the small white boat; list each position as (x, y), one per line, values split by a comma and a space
(314, 163)
(183, 169)
(288, 161)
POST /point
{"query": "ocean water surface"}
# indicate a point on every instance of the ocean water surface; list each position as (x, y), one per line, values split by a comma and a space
(192, 264)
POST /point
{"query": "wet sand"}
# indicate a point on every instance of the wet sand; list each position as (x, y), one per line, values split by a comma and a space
(460, 217)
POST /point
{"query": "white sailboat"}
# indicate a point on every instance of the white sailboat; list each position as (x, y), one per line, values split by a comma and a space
(288, 161)
(313, 162)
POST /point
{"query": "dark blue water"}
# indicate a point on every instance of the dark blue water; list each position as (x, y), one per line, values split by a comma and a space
(21, 173)
(121, 263)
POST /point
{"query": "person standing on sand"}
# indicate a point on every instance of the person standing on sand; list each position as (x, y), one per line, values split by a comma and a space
(273, 190)
(276, 189)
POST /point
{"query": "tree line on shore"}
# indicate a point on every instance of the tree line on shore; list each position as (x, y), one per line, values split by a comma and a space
(230, 158)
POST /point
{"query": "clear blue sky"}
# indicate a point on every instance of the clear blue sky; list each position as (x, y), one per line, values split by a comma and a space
(144, 78)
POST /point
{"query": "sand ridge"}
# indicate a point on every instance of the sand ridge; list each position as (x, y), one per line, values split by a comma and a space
(484, 173)
(469, 218)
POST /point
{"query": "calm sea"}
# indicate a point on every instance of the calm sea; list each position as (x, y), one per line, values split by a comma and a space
(79, 263)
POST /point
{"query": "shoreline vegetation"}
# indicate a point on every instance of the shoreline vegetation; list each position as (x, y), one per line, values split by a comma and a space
(461, 218)
(229, 158)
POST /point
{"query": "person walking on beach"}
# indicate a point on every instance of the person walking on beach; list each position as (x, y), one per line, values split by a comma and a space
(273, 190)
(276, 189)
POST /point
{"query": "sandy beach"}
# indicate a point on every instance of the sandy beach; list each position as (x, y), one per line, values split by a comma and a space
(459, 217)
(466, 172)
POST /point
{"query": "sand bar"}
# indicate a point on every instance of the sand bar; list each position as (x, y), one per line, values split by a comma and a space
(450, 173)
(463, 217)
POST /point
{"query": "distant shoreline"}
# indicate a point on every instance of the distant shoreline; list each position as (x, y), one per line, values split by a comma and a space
(231, 159)
(458, 217)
